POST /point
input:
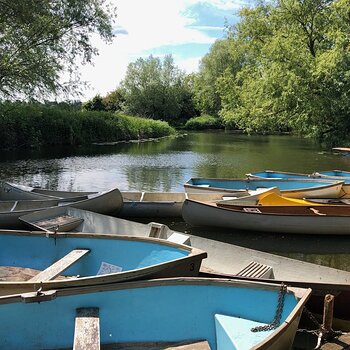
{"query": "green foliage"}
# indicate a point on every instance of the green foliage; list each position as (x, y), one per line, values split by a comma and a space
(204, 122)
(32, 125)
(112, 102)
(284, 67)
(157, 89)
(40, 39)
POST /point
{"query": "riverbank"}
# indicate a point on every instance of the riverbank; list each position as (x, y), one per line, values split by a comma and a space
(32, 125)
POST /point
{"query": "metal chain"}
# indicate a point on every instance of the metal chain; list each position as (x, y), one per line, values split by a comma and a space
(276, 321)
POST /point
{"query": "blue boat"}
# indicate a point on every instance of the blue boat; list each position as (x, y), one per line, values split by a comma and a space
(294, 188)
(334, 175)
(33, 260)
(200, 313)
(278, 175)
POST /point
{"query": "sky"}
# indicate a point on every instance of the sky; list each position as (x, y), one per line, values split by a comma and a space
(186, 29)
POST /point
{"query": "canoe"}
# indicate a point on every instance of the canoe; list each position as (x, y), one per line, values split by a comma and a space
(19, 192)
(108, 202)
(336, 175)
(33, 260)
(226, 259)
(158, 314)
(272, 174)
(308, 188)
(341, 150)
(163, 204)
(299, 219)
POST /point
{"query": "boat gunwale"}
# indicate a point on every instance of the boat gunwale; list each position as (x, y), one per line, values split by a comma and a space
(193, 254)
(332, 183)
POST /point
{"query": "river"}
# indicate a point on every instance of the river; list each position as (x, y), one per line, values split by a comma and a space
(164, 165)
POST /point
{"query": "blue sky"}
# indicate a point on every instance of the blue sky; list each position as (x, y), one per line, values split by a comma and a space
(184, 28)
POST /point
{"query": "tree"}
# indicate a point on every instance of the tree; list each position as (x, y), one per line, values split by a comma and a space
(41, 39)
(157, 89)
(295, 72)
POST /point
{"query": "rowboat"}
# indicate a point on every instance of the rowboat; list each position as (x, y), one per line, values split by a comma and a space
(295, 188)
(301, 219)
(20, 192)
(272, 174)
(33, 260)
(341, 150)
(163, 204)
(108, 202)
(336, 175)
(157, 314)
(224, 259)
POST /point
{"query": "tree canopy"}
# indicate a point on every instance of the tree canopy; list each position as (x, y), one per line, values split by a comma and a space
(41, 39)
(286, 67)
(158, 89)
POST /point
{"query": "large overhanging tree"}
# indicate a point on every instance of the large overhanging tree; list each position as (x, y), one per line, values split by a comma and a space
(41, 39)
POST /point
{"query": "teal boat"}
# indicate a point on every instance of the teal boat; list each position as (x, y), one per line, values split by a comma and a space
(190, 313)
(41, 260)
(295, 188)
(333, 175)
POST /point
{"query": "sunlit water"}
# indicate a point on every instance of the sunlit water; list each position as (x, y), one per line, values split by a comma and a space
(165, 165)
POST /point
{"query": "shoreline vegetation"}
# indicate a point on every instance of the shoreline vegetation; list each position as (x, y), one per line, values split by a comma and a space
(33, 125)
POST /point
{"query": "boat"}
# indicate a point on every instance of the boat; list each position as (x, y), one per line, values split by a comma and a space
(279, 175)
(108, 202)
(157, 314)
(224, 259)
(336, 175)
(20, 192)
(40, 260)
(344, 151)
(294, 188)
(163, 204)
(296, 219)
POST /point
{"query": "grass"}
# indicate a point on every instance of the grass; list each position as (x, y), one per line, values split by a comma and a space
(204, 122)
(28, 125)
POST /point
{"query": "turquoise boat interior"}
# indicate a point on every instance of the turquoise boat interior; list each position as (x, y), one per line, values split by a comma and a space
(278, 175)
(221, 313)
(39, 252)
(255, 184)
(339, 173)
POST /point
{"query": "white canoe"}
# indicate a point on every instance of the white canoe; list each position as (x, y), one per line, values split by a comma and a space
(108, 202)
(294, 188)
(325, 220)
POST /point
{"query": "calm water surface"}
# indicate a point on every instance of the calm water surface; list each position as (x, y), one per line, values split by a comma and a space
(166, 164)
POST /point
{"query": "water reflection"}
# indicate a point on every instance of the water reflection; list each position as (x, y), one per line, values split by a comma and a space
(166, 164)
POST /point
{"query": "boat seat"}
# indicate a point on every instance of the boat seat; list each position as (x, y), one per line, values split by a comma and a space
(183, 345)
(59, 266)
(256, 270)
(179, 238)
(87, 329)
(157, 230)
(59, 223)
(231, 333)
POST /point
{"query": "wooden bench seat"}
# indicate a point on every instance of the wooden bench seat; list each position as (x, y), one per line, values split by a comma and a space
(59, 266)
(87, 329)
(183, 345)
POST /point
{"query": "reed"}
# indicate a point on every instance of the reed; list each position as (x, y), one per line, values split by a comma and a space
(28, 125)
(204, 122)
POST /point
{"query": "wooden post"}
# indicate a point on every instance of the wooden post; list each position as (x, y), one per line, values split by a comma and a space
(328, 313)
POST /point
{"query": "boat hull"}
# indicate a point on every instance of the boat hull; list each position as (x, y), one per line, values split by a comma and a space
(205, 214)
(130, 257)
(146, 315)
(289, 188)
(109, 202)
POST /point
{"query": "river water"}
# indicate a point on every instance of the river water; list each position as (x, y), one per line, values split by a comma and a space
(164, 165)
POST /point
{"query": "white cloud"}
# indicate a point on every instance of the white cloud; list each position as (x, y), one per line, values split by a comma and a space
(145, 25)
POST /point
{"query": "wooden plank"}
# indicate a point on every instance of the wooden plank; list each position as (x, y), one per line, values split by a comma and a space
(185, 345)
(59, 266)
(87, 329)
